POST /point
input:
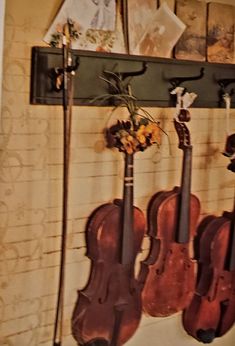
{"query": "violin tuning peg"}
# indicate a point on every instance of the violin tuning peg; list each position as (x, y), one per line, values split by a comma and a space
(184, 115)
(231, 166)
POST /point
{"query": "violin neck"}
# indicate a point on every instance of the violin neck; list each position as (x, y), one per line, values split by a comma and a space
(127, 241)
(232, 247)
(184, 203)
(230, 263)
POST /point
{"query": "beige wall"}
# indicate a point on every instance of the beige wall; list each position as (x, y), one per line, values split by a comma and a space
(30, 191)
(2, 17)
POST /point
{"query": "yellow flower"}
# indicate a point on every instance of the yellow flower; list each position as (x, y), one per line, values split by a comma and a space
(140, 134)
(128, 142)
(130, 138)
(141, 139)
(141, 129)
(126, 139)
(154, 132)
(149, 128)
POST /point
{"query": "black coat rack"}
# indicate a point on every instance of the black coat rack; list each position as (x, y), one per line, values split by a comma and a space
(152, 86)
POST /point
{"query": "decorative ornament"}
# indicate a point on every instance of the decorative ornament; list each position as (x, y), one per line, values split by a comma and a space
(184, 99)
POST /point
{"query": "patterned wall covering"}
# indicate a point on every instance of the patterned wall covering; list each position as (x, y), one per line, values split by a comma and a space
(2, 24)
(30, 191)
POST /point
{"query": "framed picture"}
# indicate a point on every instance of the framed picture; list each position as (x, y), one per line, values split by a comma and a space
(161, 34)
(220, 33)
(170, 3)
(139, 14)
(97, 25)
(192, 43)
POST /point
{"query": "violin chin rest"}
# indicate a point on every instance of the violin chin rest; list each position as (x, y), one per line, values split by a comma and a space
(97, 342)
(206, 336)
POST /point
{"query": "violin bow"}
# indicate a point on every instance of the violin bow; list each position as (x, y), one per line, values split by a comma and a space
(67, 115)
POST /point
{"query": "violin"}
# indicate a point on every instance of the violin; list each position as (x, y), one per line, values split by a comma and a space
(211, 312)
(108, 310)
(168, 273)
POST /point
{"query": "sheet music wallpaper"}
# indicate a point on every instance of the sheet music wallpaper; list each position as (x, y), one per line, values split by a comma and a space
(31, 190)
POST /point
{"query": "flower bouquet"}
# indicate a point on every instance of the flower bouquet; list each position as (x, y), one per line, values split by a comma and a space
(139, 131)
(131, 136)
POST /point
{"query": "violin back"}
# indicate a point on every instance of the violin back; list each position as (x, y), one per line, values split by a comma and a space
(94, 315)
(168, 273)
(211, 312)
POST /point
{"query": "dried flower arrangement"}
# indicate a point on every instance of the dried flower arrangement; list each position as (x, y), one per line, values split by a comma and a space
(140, 130)
(132, 135)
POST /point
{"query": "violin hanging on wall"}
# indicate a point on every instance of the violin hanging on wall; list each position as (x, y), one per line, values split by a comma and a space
(211, 312)
(108, 310)
(168, 274)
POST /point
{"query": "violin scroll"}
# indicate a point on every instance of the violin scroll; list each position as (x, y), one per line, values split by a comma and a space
(183, 134)
(184, 115)
(230, 151)
(230, 146)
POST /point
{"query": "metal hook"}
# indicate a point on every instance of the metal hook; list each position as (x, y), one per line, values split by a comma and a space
(176, 81)
(124, 75)
(119, 77)
(223, 83)
(57, 73)
(231, 92)
(70, 69)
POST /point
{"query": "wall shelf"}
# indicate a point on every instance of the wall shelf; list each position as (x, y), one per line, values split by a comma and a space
(151, 88)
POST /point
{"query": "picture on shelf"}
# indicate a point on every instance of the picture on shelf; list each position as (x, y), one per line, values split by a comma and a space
(140, 13)
(220, 36)
(161, 35)
(97, 25)
(170, 3)
(192, 43)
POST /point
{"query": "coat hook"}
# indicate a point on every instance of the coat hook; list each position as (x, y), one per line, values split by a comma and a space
(119, 77)
(56, 74)
(176, 81)
(123, 75)
(223, 83)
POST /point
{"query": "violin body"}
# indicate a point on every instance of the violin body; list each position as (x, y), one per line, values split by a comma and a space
(111, 302)
(168, 274)
(211, 312)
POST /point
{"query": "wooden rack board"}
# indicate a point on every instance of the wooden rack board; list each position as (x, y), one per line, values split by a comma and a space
(151, 88)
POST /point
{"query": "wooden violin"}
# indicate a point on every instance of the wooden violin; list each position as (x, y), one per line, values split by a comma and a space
(168, 274)
(108, 310)
(211, 312)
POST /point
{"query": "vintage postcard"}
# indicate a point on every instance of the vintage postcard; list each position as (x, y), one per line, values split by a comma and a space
(97, 25)
(220, 33)
(192, 44)
(170, 3)
(161, 35)
(139, 14)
